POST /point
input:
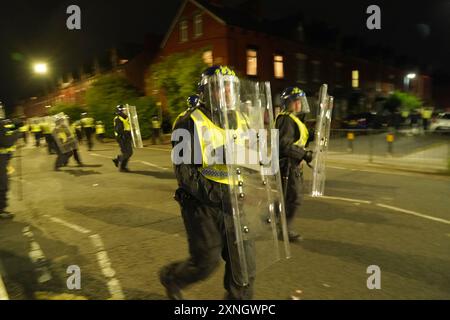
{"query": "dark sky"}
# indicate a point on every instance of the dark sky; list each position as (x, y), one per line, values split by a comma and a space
(32, 30)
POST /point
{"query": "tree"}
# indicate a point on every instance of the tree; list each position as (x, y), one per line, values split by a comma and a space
(402, 100)
(111, 90)
(176, 76)
(72, 110)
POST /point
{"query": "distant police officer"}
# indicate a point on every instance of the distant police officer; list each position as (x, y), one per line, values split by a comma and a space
(202, 192)
(37, 131)
(8, 137)
(100, 131)
(122, 131)
(47, 132)
(294, 137)
(88, 125)
(65, 142)
(156, 130)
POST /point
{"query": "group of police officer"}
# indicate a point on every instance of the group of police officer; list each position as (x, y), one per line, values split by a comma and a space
(203, 192)
(203, 189)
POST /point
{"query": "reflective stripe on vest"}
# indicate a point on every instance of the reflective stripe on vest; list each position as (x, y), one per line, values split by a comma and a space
(177, 118)
(126, 124)
(217, 138)
(156, 124)
(304, 134)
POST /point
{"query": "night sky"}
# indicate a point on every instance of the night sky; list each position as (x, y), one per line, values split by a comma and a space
(32, 30)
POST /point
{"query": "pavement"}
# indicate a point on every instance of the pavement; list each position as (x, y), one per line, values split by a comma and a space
(121, 228)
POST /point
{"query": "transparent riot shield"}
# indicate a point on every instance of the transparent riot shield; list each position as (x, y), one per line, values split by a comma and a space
(322, 138)
(134, 124)
(63, 136)
(254, 211)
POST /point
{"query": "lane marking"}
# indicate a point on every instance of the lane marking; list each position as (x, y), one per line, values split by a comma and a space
(417, 214)
(3, 292)
(343, 199)
(68, 224)
(114, 286)
(37, 256)
(132, 161)
(159, 149)
(152, 165)
(339, 168)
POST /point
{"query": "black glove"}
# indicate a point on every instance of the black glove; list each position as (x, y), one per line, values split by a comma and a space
(308, 156)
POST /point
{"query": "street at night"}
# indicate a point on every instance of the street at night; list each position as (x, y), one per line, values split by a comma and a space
(360, 222)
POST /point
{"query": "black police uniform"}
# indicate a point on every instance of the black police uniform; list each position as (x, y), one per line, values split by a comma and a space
(8, 137)
(291, 155)
(123, 137)
(203, 213)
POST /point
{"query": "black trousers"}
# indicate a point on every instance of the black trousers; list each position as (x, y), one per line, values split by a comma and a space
(156, 136)
(37, 137)
(126, 150)
(51, 144)
(4, 181)
(89, 133)
(63, 158)
(293, 190)
(205, 228)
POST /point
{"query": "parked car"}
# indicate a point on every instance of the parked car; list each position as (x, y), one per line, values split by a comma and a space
(441, 122)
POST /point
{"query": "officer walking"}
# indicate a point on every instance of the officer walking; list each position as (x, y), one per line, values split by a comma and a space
(88, 125)
(47, 131)
(100, 131)
(122, 131)
(8, 137)
(156, 130)
(293, 135)
(202, 191)
(66, 144)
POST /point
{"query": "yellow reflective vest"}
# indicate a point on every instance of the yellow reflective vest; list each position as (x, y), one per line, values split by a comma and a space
(215, 140)
(99, 129)
(10, 131)
(126, 124)
(302, 129)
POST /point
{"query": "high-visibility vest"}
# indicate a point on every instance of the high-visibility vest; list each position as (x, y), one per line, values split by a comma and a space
(36, 127)
(302, 129)
(24, 128)
(46, 129)
(426, 114)
(99, 129)
(126, 124)
(156, 124)
(177, 118)
(11, 128)
(87, 122)
(217, 139)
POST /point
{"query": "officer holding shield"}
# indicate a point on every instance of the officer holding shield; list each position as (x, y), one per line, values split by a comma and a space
(203, 191)
(122, 131)
(294, 138)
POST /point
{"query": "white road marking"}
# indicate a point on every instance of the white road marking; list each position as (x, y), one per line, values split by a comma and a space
(153, 165)
(3, 292)
(339, 168)
(37, 257)
(343, 199)
(114, 286)
(68, 224)
(140, 161)
(159, 149)
(417, 214)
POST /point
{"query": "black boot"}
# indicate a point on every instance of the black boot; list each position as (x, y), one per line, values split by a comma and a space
(172, 290)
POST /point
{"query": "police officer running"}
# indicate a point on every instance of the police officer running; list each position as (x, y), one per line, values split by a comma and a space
(202, 191)
(122, 131)
(294, 138)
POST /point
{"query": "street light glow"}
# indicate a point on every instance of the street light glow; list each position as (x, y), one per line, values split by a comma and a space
(40, 68)
(411, 75)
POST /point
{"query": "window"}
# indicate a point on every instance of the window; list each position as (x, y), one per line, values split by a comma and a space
(316, 71)
(252, 62)
(183, 31)
(198, 25)
(278, 66)
(208, 57)
(301, 67)
(355, 79)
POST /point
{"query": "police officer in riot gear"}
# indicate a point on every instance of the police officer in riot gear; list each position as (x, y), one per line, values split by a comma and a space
(88, 125)
(202, 194)
(122, 131)
(294, 138)
(65, 142)
(8, 137)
